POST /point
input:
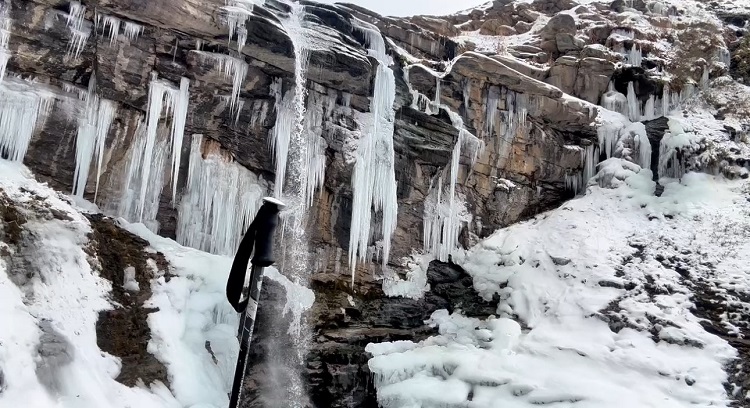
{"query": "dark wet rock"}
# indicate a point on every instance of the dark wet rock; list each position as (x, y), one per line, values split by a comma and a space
(124, 331)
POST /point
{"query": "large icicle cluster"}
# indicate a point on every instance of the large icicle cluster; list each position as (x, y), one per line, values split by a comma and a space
(23, 108)
(220, 200)
(374, 179)
(234, 68)
(145, 176)
(93, 127)
(79, 28)
(319, 108)
(142, 186)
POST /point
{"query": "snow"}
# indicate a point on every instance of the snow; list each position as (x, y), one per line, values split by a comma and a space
(374, 177)
(62, 300)
(550, 342)
(66, 294)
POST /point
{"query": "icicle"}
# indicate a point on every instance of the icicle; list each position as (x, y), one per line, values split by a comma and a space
(590, 161)
(615, 101)
(642, 145)
(374, 179)
(79, 29)
(237, 13)
(609, 135)
(93, 127)
(634, 106)
(23, 109)
(181, 102)
(573, 182)
(144, 180)
(220, 200)
(163, 96)
(649, 113)
(113, 23)
(635, 56)
(493, 99)
(724, 57)
(665, 108)
(319, 109)
(282, 132)
(5, 26)
(132, 30)
(232, 67)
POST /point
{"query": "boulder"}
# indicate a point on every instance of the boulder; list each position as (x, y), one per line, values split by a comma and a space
(593, 78)
(493, 27)
(523, 27)
(559, 24)
(563, 74)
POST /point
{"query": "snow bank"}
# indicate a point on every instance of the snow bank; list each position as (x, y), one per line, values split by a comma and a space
(567, 332)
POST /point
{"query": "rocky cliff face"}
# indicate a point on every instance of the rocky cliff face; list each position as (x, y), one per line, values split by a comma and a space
(501, 112)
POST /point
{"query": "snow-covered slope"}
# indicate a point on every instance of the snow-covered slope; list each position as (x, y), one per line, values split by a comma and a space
(51, 292)
(617, 299)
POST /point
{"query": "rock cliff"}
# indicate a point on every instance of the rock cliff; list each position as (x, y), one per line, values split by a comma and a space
(179, 115)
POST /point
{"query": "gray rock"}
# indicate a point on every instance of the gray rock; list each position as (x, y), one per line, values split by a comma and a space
(559, 24)
(523, 27)
(55, 352)
(496, 27)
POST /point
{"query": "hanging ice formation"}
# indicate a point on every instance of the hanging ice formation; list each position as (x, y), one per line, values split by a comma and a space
(615, 101)
(162, 96)
(24, 107)
(634, 105)
(642, 145)
(5, 25)
(142, 186)
(111, 28)
(678, 137)
(635, 56)
(374, 178)
(443, 221)
(320, 107)
(234, 68)
(237, 12)
(79, 28)
(220, 199)
(282, 131)
(93, 127)
(724, 56)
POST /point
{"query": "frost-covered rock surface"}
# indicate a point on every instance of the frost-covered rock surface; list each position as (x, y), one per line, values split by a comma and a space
(618, 298)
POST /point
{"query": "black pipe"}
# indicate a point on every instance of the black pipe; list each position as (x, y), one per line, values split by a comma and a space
(259, 235)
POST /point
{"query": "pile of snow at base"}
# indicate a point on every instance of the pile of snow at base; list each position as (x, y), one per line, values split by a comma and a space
(69, 294)
(567, 330)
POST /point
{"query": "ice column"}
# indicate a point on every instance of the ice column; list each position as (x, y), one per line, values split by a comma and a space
(634, 106)
(23, 108)
(374, 179)
(93, 127)
(319, 108)
(221, 199)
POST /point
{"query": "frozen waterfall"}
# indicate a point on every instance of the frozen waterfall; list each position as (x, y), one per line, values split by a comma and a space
(374, 179)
